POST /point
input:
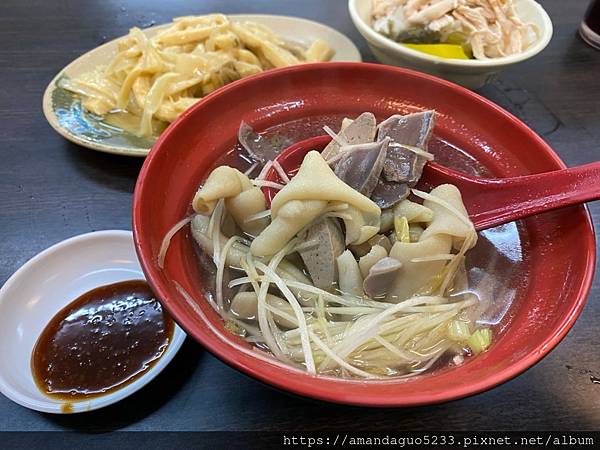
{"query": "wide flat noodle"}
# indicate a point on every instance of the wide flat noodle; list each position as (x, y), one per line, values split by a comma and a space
(316, 181)
(160, 77)
(453, 223)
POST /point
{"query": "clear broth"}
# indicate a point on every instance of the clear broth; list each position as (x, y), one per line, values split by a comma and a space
(495, 267)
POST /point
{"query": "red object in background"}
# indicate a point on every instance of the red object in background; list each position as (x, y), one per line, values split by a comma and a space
(590, 26)
(559, 257)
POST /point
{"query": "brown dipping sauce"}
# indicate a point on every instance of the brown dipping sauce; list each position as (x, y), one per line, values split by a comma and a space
(102, 341)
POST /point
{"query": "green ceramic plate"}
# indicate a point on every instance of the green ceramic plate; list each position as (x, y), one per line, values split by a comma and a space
(65, 114)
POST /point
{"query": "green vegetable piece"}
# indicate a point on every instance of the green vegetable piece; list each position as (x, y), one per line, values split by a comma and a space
(480, 340)
(402, 229)
(458, 331)
(234, 328)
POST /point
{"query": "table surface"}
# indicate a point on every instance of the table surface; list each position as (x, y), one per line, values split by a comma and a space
(51, 189)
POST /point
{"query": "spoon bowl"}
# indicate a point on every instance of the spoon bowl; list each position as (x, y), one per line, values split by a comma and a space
(489, 201)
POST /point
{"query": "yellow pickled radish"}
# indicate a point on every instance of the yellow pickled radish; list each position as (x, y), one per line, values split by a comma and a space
(451, 51)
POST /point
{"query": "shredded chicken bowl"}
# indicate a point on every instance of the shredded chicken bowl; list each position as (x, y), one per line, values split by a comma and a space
(456, 29)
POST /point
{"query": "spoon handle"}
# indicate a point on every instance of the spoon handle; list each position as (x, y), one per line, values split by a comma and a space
(503, 200)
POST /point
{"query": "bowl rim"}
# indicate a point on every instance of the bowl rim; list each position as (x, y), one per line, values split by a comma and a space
(227, 352)
(372, 36)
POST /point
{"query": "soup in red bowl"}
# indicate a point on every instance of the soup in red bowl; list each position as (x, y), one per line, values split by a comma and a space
(535, 273)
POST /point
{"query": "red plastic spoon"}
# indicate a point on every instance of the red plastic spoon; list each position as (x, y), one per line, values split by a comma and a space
(489, 201)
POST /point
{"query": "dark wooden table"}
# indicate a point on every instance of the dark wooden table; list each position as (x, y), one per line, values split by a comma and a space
(51, 189)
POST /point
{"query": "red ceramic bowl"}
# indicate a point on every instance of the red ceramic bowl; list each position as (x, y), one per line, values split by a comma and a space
(559, 260)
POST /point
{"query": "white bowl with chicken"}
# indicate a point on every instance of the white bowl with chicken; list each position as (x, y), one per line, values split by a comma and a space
(496, 33)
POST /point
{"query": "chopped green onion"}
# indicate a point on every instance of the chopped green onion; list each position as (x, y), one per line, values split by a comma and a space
(480, 340)
(234, 328)
(319, 358)
(434, 283)
(458, 331)
(402, 229)
(414, 233)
